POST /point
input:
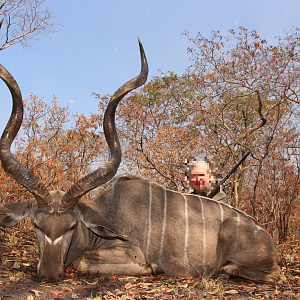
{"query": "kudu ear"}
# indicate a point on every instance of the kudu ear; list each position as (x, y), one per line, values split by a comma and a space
(13, 213)
(96, 222)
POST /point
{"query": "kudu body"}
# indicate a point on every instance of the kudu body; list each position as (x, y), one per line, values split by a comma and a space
(179, 233)
(186, 235)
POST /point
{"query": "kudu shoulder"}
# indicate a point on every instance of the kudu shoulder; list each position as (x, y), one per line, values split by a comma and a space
(96, 222)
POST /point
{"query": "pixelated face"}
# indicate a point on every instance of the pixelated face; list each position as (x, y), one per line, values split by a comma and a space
(200, 177)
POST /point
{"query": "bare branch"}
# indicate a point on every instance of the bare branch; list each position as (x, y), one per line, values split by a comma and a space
(24, 20)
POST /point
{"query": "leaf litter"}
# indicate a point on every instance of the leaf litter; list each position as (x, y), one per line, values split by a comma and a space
(18, 280)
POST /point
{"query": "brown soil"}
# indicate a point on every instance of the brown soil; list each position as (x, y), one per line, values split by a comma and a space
(18, 280)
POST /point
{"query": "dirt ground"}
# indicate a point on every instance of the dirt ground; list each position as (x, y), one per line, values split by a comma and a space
(18, 279)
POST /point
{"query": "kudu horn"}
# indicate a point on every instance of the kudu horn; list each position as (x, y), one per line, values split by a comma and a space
(10, 165)
(105, 173)
(101, 175)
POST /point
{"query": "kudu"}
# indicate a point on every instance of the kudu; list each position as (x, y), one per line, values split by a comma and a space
(186, 235)
(65, 226)
(177, 233)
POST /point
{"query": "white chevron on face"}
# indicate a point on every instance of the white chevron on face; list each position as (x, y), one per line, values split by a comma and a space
(55, 242)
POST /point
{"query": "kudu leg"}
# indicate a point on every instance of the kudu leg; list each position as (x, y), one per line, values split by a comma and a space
(117, 260)
(117, 269)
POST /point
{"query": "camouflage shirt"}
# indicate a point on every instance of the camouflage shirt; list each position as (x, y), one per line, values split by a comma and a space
(219, 196)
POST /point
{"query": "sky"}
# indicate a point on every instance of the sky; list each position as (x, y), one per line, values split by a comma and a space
(96, 48)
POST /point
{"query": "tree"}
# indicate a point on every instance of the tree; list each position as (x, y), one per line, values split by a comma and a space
(58, 155)
(239, 95)
(155, 145)
(23, 20)
(244, 89)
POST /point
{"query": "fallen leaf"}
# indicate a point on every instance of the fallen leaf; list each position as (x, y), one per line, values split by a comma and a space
(16, 265)
(36, 293)
(56, 292)
(155, 278)
(128, 285)
(232, 292)
(91, 283)
(214, 292)
(118, 292)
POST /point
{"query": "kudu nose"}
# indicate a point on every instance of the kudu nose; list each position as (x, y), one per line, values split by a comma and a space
(54, 277)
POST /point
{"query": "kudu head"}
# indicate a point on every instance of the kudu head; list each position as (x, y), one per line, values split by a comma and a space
(57, 215)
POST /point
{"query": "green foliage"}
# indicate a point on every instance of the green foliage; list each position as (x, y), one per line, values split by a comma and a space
(14, 241)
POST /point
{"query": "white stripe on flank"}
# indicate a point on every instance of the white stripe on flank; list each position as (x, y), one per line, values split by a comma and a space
(222, 220)
(149, 223)
(185, 259)
(222, 214)
(204, 236)
(238, 217)
(163, 228)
